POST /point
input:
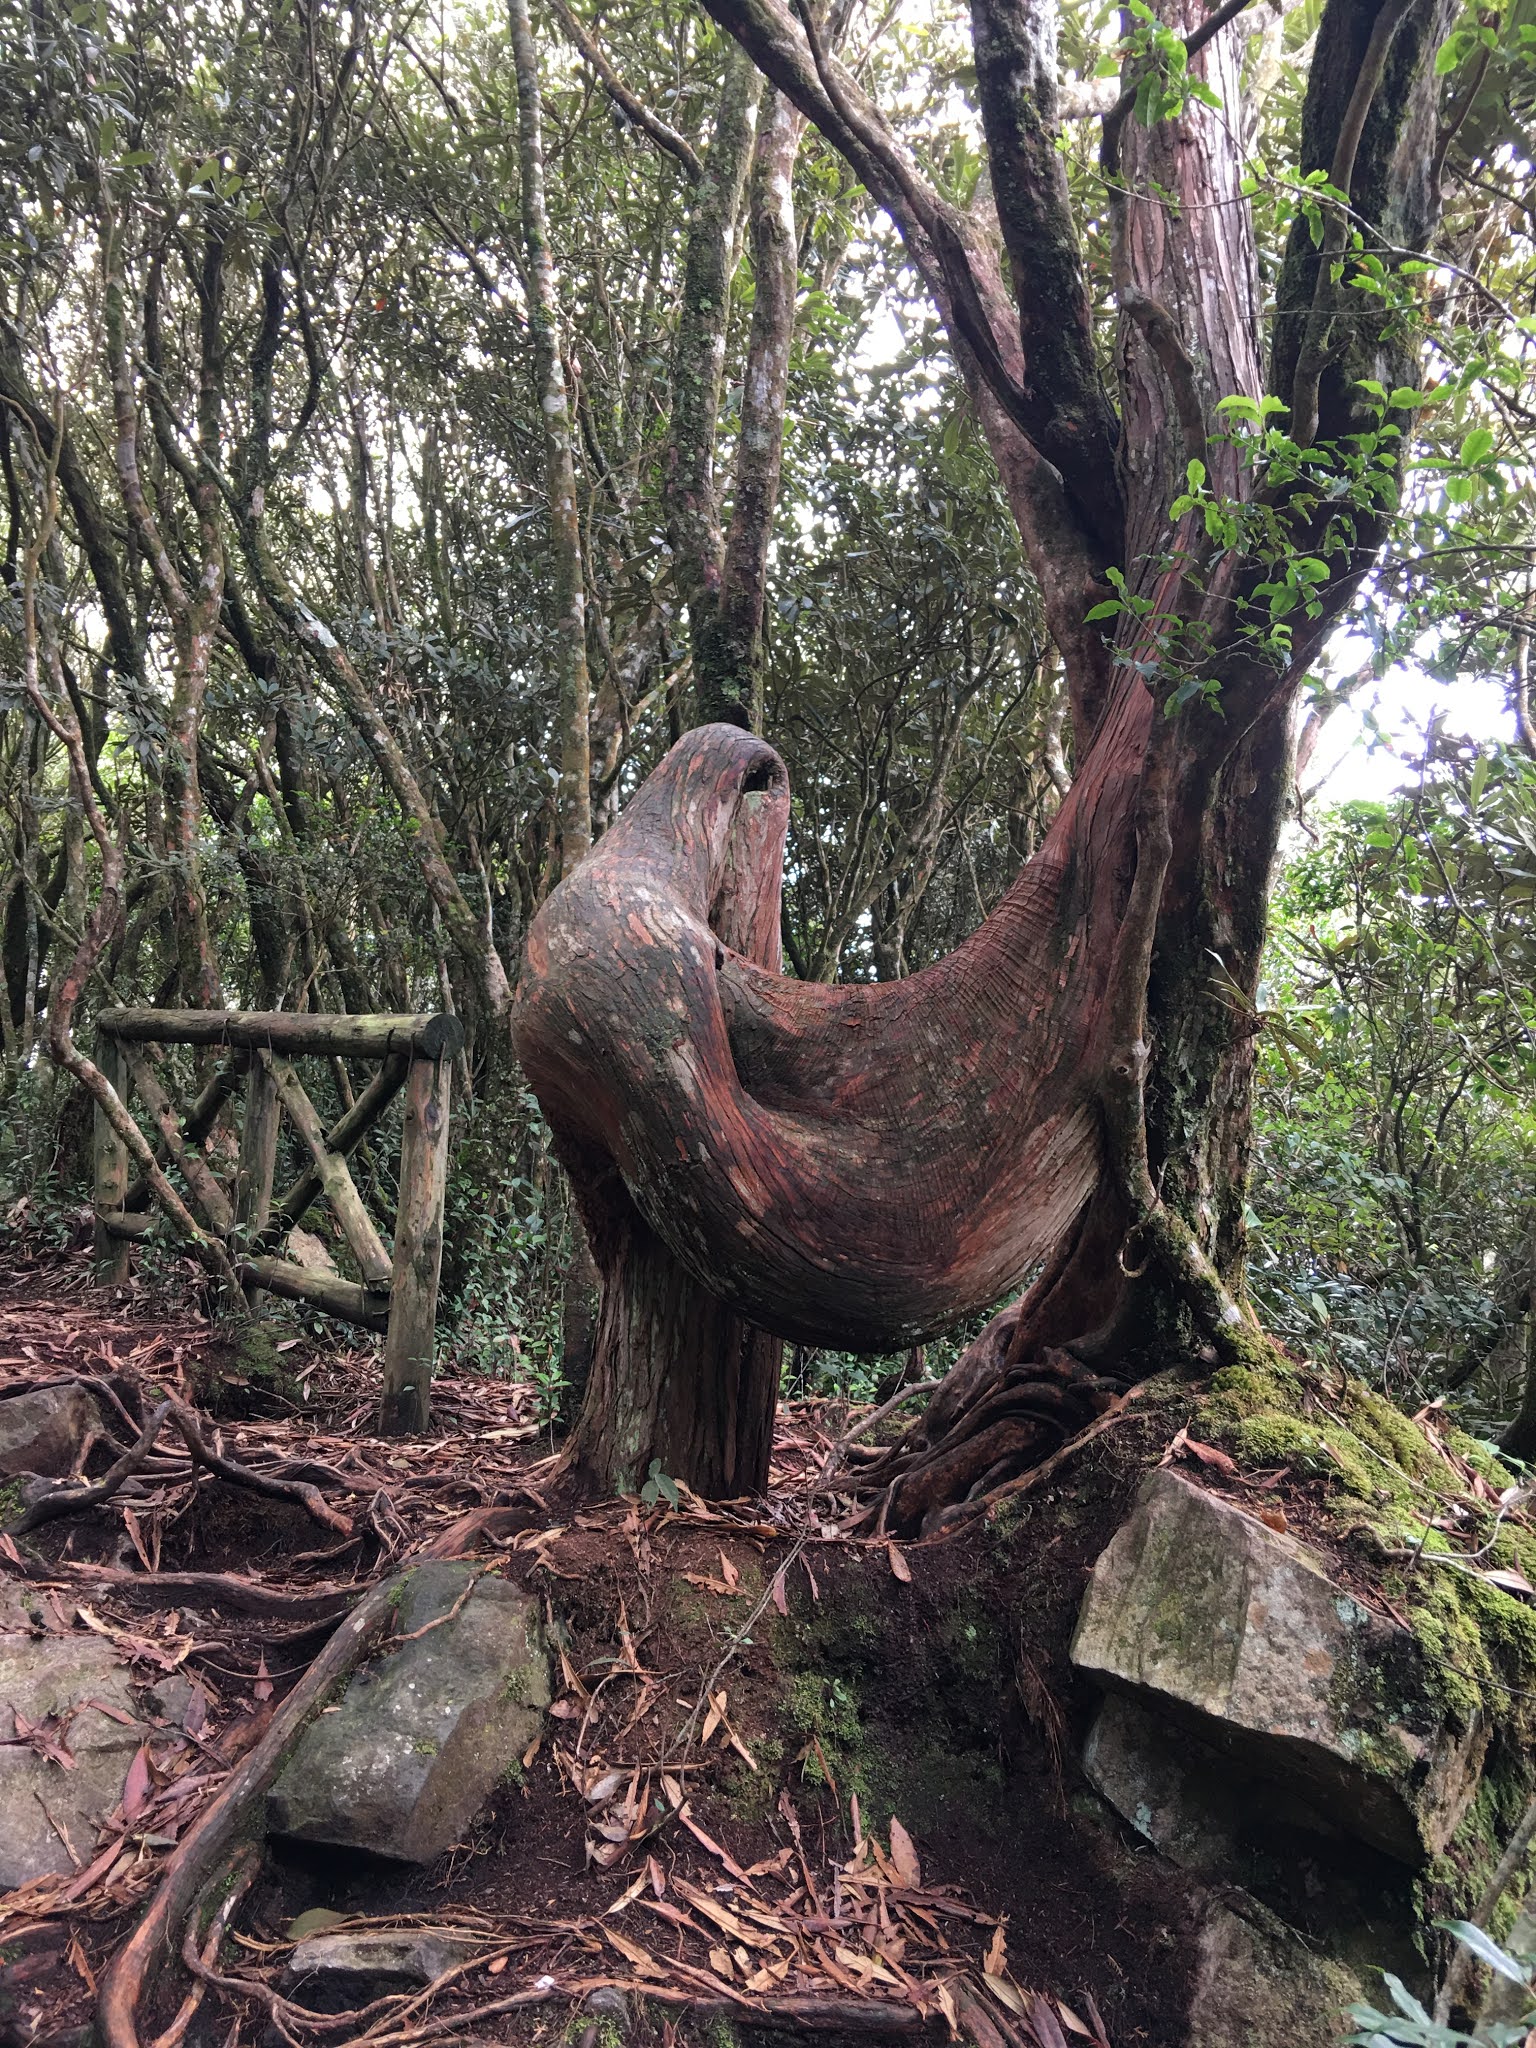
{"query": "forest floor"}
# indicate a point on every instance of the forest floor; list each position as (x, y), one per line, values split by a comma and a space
(792, 1775)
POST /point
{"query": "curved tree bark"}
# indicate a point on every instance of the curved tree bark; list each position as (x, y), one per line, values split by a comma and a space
(863, 1166)
(678, 1376)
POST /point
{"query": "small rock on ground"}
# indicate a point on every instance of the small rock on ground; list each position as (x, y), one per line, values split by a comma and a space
(43, 1430)
(332, 1972)
(46, 1810)
(425, 1732)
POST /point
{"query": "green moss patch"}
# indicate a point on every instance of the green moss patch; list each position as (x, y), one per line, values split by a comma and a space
(1398, 1505)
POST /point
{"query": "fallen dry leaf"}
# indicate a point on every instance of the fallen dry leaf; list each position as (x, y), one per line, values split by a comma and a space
(1207, 1454)
(904, 1857)
(136, 1788)
(1508, 1581)
(1004, 1993)
(632, 1952)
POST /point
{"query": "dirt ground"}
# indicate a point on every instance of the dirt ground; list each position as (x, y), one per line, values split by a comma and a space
(784, 1762)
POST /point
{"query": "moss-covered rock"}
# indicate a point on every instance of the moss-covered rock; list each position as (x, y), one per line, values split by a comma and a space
(1222, 1623)
(424, 1734)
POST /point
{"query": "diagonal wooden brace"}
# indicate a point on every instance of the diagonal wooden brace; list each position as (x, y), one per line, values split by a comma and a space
(195, 1170)
(373, 1261)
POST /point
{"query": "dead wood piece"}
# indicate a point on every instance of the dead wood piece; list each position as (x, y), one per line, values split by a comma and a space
(69, 1500)
(366, 1306)
(487, 1522)
(800, 2011)
(309, 1497)
(204, 1852)
(223, 1589)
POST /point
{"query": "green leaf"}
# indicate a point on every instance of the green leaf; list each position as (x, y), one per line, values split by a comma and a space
(1486, 1949)
(1195, 473)
(1110, 610)
(315, 1921)
(1403, 1998)
(1477, 446)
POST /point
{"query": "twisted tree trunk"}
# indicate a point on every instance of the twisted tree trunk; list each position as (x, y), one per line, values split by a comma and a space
(1068, 1092)
(679, 1377)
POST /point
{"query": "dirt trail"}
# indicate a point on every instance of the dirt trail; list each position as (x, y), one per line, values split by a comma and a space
(785, 1767)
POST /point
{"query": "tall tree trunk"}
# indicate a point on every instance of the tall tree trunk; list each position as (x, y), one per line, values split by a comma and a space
(864, 1165)
(727, 641)
(677, 1376)
(698, 363)
(573, 695)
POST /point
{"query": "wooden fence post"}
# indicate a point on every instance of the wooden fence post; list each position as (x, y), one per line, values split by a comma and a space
(111, 1253)
(258, 1157)
(406, 1404)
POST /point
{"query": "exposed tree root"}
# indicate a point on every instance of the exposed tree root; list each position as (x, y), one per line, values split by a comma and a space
(242, 1876)
(204, 1854)
(318, 1604)
(309, 1497)
(71, 1500)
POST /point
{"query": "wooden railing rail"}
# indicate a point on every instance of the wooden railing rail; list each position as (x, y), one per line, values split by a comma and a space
(396, 1291)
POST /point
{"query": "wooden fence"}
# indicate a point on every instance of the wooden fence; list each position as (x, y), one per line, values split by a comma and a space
(397, 1290)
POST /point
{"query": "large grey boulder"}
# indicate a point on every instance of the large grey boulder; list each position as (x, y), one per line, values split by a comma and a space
(423, 1733)
(48, 1681)
(43, 1430)
(1218, 1625)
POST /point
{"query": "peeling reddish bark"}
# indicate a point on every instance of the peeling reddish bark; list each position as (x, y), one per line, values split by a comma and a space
(863, 1166)
(678, 1376)
(824, 1161)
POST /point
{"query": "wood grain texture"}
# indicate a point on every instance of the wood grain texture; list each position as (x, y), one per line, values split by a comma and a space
(423, 1035)
(856, 1166)
(405, 1402)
